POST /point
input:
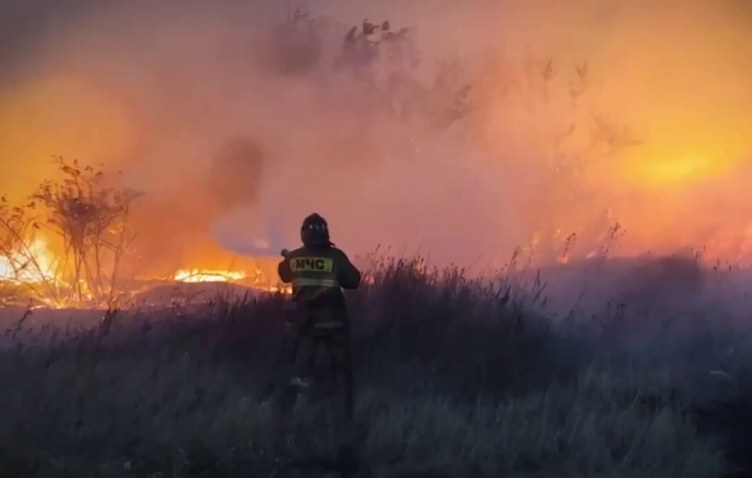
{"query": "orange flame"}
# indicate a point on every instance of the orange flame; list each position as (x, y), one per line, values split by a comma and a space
(34, 265)
(196, 275)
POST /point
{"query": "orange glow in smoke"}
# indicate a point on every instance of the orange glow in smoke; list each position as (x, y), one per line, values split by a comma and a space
(680, 77)
(61, 115)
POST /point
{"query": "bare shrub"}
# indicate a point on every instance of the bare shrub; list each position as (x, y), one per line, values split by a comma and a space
(24, 272)
(297, 43)
(91, 218)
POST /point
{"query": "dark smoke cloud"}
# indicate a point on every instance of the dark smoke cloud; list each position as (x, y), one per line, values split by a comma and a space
(236, 173)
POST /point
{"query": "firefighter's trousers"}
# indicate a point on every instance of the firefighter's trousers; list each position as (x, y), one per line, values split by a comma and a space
(319, 365)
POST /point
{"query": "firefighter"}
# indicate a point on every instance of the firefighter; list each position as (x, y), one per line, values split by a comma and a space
(318, 272)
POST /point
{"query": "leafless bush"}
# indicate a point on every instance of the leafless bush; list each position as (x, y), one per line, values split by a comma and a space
(569, 134)
(21, 248)
(388, 60)
(91, 218)
(298, 43)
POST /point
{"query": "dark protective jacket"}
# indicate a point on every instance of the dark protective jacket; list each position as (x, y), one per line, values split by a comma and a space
(318, 274)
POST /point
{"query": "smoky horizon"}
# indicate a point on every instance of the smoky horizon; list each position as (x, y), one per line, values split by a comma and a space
(619, 124)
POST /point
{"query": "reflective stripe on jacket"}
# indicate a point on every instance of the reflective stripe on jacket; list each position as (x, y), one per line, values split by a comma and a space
(313, 273)
(314, 282)
(318, 274)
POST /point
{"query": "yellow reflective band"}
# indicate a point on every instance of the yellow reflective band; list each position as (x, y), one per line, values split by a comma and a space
(311, 264)
(315, 283)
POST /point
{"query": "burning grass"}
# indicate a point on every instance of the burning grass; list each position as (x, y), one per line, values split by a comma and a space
(67, 247)
(455, 378)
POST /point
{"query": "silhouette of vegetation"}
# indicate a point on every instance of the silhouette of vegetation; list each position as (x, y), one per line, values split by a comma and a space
(381, 60)
(549, 111)
(549, 106)
(23, 273)
(297, 43)
(453, 376)
(456, 376)
(89, 217)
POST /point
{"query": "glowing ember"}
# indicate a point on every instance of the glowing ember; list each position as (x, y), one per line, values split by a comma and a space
(197, 275)
(285, 289)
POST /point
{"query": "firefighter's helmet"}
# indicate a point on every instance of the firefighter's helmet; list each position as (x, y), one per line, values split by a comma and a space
(315, 231)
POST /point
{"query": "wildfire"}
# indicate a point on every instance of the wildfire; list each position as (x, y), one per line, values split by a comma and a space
(33, 264)
(256, 282)
(32, 270)
(196, 275)
(556, 134)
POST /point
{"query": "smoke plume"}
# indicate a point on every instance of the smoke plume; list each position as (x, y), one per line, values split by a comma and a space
(634, 113)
